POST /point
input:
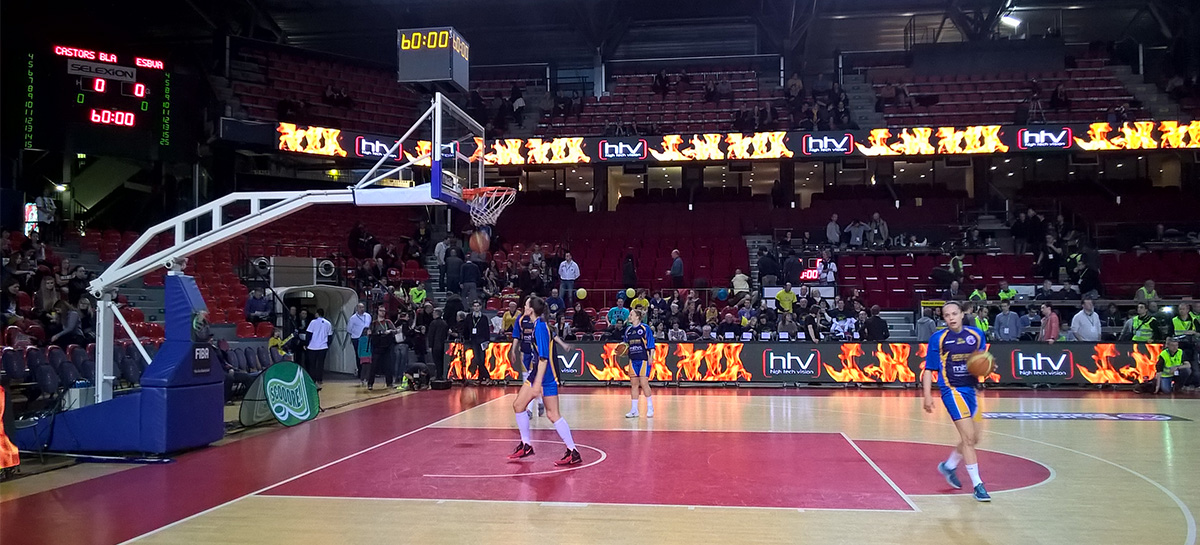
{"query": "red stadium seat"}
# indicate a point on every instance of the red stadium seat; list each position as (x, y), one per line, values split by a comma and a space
(245, 330)
(264, 329)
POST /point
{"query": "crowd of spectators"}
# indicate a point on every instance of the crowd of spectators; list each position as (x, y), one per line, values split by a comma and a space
(44, 294)
(825, 107)
(500, 111)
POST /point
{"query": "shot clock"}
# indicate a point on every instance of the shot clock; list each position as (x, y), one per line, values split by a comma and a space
(433, 54)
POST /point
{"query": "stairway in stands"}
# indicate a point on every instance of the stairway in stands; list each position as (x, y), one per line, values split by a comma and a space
(150, 300)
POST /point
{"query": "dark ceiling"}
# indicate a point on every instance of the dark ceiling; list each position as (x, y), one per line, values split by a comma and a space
(567, 32)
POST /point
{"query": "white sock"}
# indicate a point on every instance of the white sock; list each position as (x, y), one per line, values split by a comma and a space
(633, 405)
(649, 404)
(531, 402)
(523, 425)
(973, 471)
(564, 432)
(953, 460)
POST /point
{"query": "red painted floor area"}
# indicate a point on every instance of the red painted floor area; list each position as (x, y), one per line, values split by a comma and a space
(913, 467)
(740, 469)
(121, 506)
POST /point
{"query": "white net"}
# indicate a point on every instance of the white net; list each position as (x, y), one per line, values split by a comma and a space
(488, 202)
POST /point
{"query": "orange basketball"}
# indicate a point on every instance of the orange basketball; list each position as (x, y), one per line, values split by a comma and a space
(480, 242)
(981, 364)
(621, 349)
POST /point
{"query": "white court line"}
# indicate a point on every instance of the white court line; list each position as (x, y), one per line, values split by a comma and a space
(1053, 473)
(603, 456)
(881, 473)
(309, 472)
(593, 504)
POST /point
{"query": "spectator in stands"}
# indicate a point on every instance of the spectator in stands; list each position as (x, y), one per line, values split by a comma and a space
(518, 106)
(1050, 258)
(876, 326)
(785, 298)
(1007, 326)
(858, 232)
(617, 316)
(48, 295)
(1142, 327)
(953, 293)
(555, 304)
(1113, 317)
(710, 91)
(743, 119)
(809, 325)
(926, 325)
(660, 84)
(412, 251)
(581, 321)
(1050, 328)
(792, 268)
(77, 284)
(903, 99)
(47, 215)
(68, 324)
(795, 88)
(509, 317)
(833, 231)
(828, 269)
(1019, 230)
(381, 335)
(676, 271)
(1146, 292)
(724, 89)
(453, 271)
(640, 301)
(1046, 292)
(844, 328)
(768, 269)
(359, 323)
(629, 278)
(568, 273)
(1059, 99)
(837, 95)
(470, 276)
(676, 334)
(729, 328)
(1086, 323)
(87, 319)
(258, 307)
(741, 286)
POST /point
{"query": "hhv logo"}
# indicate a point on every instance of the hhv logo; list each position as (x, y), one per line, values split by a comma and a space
(786, 363)
(1027, 139)
(365, 146)
(622, 150)
(811, 145)
(1038, 364)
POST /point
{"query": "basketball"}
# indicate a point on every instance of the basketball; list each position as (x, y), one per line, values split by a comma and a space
(981, 364)
(630, 293)
(581, 293)
(621, 349)
(480, 242)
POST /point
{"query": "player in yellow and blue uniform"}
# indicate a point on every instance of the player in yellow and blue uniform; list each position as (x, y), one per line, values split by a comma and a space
(948, 352)
(543, 381)
(640, 340)
(523, 342)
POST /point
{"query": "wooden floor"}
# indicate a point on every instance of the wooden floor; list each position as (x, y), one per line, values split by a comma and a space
(712, 466)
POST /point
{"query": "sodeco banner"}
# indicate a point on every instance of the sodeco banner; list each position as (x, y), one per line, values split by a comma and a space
(284, 391)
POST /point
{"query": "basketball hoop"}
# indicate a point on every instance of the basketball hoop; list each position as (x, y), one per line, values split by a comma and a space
(488, 202)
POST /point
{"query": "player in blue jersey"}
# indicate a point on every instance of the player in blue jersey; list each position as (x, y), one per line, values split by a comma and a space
(523, 346)
(948, 352)
(640, 340)
(543, 381)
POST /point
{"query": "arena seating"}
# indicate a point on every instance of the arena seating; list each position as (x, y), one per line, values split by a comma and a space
(632, 100)
(261, 75)
(993, 98)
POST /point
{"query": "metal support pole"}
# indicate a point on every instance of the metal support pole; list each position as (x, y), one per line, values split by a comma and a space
(131, 333)
(104, 349)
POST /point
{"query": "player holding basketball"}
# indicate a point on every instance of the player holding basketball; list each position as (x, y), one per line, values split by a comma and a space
(948, 352)
(544, 383)
(640, 340)
(523, 341)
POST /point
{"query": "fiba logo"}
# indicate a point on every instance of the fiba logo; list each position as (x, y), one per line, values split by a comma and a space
(1037, 364)
(201, 354)
(810, 145)
(787, 363)
(1027, 139)
(366, 146)
(610, 151)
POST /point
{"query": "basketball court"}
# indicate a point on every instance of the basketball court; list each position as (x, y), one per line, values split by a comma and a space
(760, 466)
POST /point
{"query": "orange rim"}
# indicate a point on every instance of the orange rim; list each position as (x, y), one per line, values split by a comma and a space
(471, 193)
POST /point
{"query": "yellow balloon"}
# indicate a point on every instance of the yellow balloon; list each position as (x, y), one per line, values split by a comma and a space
(581, 293)
(630, 293)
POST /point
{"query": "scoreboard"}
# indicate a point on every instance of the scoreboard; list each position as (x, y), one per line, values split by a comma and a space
(87, 99)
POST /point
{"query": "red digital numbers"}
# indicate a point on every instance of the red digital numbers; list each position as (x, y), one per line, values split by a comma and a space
(111, 117)
(139, 90)
(98, 85)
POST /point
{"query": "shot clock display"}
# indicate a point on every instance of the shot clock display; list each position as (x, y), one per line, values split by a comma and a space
(433, 54)
(80, 97)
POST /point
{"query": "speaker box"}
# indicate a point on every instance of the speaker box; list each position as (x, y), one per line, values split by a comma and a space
(439, 384)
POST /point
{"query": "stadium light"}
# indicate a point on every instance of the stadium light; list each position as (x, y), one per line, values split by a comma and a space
(1010, 21)
(60, 187)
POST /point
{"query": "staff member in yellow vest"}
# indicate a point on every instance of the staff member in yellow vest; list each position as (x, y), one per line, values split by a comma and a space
(1185, 322)
(1146, 292)
(979, 294)
(1006, 293)
(1142, 325)
(981, 321)
(1173, 370)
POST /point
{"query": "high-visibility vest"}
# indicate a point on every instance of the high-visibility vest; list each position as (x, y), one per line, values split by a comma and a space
(1143, 328)
(1184, 324)
(978, 295)
(982, 323)
(1008, 294)
(1148, 295)
(1170, 361)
